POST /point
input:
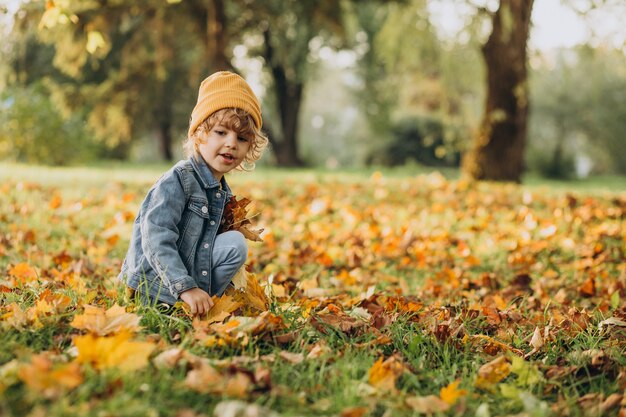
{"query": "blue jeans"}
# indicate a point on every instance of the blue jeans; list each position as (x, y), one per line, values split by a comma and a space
(229, 254)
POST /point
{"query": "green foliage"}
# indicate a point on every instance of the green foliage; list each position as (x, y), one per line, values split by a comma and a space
(578, 110)
(129, 69)
(32, 130)
(419, 139)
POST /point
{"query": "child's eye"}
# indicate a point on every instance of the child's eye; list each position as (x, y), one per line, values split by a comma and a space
(241, 138)
(220, 132)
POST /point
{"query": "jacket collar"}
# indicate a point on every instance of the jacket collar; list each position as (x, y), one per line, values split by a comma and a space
(206, 176)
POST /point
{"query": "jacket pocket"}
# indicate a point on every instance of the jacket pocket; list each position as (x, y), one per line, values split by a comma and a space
(194, 218)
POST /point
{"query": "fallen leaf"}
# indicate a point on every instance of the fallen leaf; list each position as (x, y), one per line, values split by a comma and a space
(294, 358)
(451, 393)
(222, 307)
(427, 405)
(253, 296)
(384, 373)
(493, 372)
(207, 379)
(353, 412)
(48, 379)
(101, 322)
(23, 272)
(611, 321)
(117, 351)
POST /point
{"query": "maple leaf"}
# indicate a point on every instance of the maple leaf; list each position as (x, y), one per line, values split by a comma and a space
(50, 380)
(117, 351)
(451, 393)
(492, 372)
(222, 307)
(23, 272)
(383, 374)
(240, 280)
(103, 322)
(253, 297)
(235, 218)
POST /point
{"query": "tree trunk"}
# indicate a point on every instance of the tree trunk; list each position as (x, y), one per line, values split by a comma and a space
(210, 19)
(498, 149)
(289, 96)
(216, 37)
(164, 136)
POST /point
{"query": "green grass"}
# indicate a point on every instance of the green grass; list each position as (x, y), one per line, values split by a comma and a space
(408, 233)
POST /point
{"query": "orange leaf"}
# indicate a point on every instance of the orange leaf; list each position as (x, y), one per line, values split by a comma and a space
(383, 375)
(55, 202)
(452, 393)
(493, 372)
(588, 289)
(113, 351)
(51, 381)
(223, 306)
(23, 272)
(101, 322)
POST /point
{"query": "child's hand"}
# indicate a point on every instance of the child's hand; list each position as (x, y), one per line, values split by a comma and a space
(198, 300)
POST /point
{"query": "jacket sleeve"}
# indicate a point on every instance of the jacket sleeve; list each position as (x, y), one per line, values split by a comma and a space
(159, 233)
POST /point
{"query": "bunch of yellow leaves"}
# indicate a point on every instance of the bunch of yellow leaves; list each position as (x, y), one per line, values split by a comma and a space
(109, 343)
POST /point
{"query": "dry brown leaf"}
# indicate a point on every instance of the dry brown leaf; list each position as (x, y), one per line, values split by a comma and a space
(493, 372)
(253, 296)
(207, 379)
(235, 217)
(294, 358)
(427, 405)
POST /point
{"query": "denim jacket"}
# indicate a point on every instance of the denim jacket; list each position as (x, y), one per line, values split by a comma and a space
(174, 232)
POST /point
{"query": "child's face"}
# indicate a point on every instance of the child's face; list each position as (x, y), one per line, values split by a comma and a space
(223, 150)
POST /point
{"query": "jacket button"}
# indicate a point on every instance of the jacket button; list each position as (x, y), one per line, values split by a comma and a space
(206, 246)
(218, 195)
(179, 286)
(212, 222)
(205, 210)
(204, 273)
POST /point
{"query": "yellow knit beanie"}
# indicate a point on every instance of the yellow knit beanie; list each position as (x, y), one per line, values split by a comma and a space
(224, 90)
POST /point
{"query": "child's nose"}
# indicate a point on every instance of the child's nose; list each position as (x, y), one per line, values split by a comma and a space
(231, 140)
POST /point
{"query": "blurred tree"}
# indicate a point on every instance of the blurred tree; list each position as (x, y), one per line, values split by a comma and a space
(498, 148)
(408, 89)
(135, 67)
(579, 110)
(27, 119)
(281, 32)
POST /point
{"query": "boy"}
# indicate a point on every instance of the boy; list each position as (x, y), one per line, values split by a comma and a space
(176, 250)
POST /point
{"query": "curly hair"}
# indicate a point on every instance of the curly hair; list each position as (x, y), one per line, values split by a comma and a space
(237, 120)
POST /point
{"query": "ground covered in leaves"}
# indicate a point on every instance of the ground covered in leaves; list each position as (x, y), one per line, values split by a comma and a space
(370, 296)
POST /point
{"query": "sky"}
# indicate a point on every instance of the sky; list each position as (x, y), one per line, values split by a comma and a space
(554, 25)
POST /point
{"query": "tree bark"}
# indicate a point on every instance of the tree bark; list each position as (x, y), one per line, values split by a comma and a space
(164, 135)
(216, 37)
(289, 96)
(498, 149)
